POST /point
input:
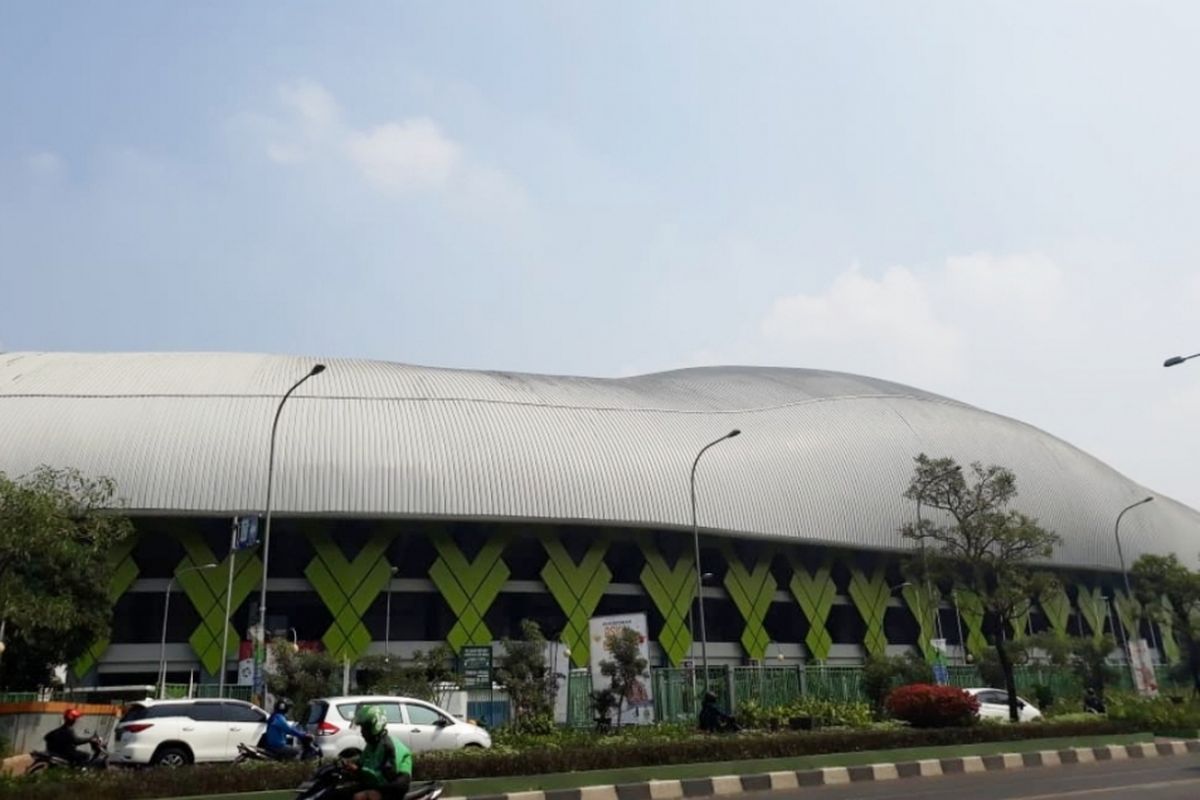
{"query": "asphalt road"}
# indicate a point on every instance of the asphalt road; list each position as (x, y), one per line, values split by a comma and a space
(1172, 778)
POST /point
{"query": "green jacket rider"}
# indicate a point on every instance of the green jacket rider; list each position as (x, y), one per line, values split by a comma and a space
(384, 769)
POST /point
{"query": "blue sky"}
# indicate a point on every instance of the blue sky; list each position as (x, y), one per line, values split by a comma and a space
(996, 201)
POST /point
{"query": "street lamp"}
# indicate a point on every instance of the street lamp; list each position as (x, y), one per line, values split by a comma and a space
(162, 647)
(260, 649)
(295, 640)
(1125, 575)
(696, 542)
(387, 625)
(1176, 360)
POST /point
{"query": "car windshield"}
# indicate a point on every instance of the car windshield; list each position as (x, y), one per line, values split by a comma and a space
(316, 712)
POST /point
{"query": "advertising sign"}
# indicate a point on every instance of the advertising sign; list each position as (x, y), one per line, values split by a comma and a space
(1143, 668)
(476, 667)
(639, 706)
(245, 533)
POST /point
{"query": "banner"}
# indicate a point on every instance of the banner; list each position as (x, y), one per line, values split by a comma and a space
(1143, 668)
(639, 706)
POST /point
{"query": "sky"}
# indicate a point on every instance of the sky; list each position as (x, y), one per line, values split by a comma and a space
(998, 202)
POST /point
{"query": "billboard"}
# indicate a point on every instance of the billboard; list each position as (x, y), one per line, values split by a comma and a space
(1142, 665)
(639, 709)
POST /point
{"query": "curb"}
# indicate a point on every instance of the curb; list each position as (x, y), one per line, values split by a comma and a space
(689, 788)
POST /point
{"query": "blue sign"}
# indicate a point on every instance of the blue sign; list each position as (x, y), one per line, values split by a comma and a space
(246, 535)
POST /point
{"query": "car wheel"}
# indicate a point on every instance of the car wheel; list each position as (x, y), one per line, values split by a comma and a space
(171, 757)
(472, 746)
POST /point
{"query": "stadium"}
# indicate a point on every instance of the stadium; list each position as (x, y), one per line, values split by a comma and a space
(467, 501)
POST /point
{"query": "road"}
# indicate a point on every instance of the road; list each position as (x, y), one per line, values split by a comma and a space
(1173, 778)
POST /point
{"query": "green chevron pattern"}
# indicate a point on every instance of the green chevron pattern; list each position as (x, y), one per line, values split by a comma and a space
(577, 588)
(752, 591)
(1129, 610)
(672, 590)
(922, 601)
(1056, 605)
(469, 587)
(815, 593)
(970, 608)
(1020, 625)
(870, 596)
(1166, 627)
(124, 573)
(206, 591)
(1092, 605)
(348, 588)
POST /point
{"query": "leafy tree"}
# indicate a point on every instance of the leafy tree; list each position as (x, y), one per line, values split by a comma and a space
(302, 676)
(626, 668)
(987, 548)
(57, 528)
(1156, 578)
(881, 674)
(418, 677)
(530, 682)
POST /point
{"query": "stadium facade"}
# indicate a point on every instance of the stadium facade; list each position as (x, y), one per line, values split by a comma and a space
(472, 500)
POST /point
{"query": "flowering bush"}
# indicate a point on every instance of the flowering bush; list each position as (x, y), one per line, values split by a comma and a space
(924, 705)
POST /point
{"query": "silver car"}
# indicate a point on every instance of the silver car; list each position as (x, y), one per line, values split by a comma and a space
(420, 725)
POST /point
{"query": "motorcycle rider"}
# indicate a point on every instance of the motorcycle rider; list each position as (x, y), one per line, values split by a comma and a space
(63, 743)
(384, 770)
(275, 738)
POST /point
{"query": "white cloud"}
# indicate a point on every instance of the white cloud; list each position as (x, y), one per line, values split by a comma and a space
(405, 155)
(46, 165)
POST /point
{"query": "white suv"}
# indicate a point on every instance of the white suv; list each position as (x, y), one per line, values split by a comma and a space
(993, 704)
(178, 732)
(420, 725)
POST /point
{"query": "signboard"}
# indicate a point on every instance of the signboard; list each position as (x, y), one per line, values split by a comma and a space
(245, 533)
(1143, 668)
(941, 673)
(639, 706)
(476, 667)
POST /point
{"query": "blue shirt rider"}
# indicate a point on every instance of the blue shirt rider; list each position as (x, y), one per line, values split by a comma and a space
(275, 739)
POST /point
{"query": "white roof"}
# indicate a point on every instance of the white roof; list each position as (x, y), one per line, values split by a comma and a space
(823, 456)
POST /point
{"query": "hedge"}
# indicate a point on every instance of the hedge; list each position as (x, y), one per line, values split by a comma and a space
(125, 784)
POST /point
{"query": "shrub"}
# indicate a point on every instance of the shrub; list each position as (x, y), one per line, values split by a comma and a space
(882, 674)
(823, 713)
(924, 705)
(1158, 715)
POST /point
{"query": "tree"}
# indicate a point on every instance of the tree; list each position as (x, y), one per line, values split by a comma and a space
(302, 676)
(530, 682)
(418, 677)
(57, 529)
(987, 548)
(1163, 578)
(881, 674)
(626, 668)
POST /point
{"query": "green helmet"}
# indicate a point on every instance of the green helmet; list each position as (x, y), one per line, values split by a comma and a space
(371, 720)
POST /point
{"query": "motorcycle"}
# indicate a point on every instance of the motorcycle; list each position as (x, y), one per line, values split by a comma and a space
(331, 778)
(43, 761)
(258, 752)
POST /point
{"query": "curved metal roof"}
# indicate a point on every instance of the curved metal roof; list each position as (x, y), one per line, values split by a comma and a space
(823, 456)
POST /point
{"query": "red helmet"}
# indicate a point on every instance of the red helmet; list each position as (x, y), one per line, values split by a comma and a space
(71, 714)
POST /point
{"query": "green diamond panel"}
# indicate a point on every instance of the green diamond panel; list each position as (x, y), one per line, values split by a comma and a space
(124, 573)
(348, 588)
(672, 590)
(469, 587)
(870, 595)
(206, 591)
(1056, 605)
(815, 593)
(1093, 607)
(577, 588)
(922, 600)
(752, 592)
(970, 608)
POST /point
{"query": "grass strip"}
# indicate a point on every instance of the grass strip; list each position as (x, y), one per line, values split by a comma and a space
(476, 787)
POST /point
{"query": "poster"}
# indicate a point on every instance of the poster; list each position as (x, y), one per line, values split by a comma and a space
(1143, 668)
(476, 667)
(639, 708)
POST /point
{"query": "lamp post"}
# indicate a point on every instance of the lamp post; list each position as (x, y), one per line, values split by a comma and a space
(696, 543)
(260, 646)
(1176, 360)
(387, 625)
(295, 640)
(1125, 575)
(162, 647)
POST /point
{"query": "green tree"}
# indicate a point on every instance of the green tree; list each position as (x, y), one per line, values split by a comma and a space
(418, 677)
(881, 674)
(302, 676)
(528, 679)
(626, 668)
(1156, 578)
(57, 528)
(986, 547)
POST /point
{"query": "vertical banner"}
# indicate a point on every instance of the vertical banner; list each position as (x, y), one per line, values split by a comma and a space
(639, 706)
(1143, 668)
